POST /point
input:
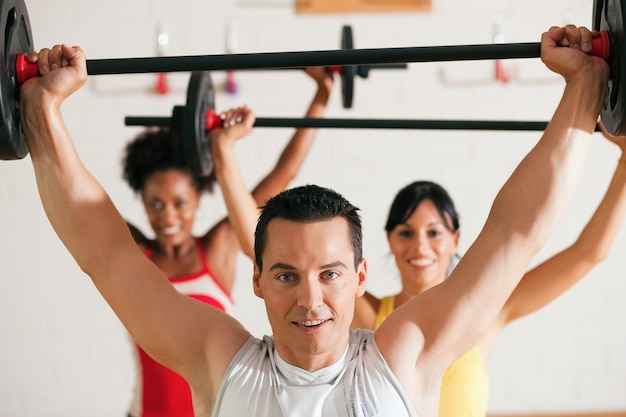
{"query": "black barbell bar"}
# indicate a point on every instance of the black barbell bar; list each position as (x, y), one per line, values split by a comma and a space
(267, 60)
(329, 123)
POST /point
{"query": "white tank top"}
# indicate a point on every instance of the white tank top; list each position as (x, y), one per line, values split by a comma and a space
(259, 383)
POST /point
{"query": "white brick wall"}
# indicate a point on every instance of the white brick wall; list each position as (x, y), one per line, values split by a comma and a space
(63, 351)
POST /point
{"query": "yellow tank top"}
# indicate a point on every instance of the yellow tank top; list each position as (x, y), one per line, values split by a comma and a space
(465, 385)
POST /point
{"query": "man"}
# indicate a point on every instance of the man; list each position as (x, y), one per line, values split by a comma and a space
(309, 268)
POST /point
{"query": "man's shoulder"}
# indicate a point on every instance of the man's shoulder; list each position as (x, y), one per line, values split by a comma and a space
(360, 334)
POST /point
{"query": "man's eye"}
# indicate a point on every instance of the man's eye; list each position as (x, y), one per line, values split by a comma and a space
(285, 277)
(330, 275)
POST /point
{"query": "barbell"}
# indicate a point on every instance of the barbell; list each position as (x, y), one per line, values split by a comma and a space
(608, 17)
(197, 117)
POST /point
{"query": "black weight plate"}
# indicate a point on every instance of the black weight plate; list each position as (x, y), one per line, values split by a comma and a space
(200, 98)
(349, 71)
(16, 39)
(609, 16)
(597, 13)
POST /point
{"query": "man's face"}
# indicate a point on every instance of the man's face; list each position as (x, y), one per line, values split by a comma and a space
(309, 284)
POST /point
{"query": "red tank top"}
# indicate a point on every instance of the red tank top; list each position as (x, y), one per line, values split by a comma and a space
(160, 392)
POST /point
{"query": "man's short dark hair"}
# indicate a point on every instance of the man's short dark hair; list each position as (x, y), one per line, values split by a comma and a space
(308, 204)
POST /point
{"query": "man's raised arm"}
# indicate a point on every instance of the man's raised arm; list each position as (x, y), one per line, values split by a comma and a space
(450, 318)
(173, 328)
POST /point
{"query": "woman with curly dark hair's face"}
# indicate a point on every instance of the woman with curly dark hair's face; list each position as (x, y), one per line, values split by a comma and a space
(202, 266)
(171, 201)
(155, 168)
